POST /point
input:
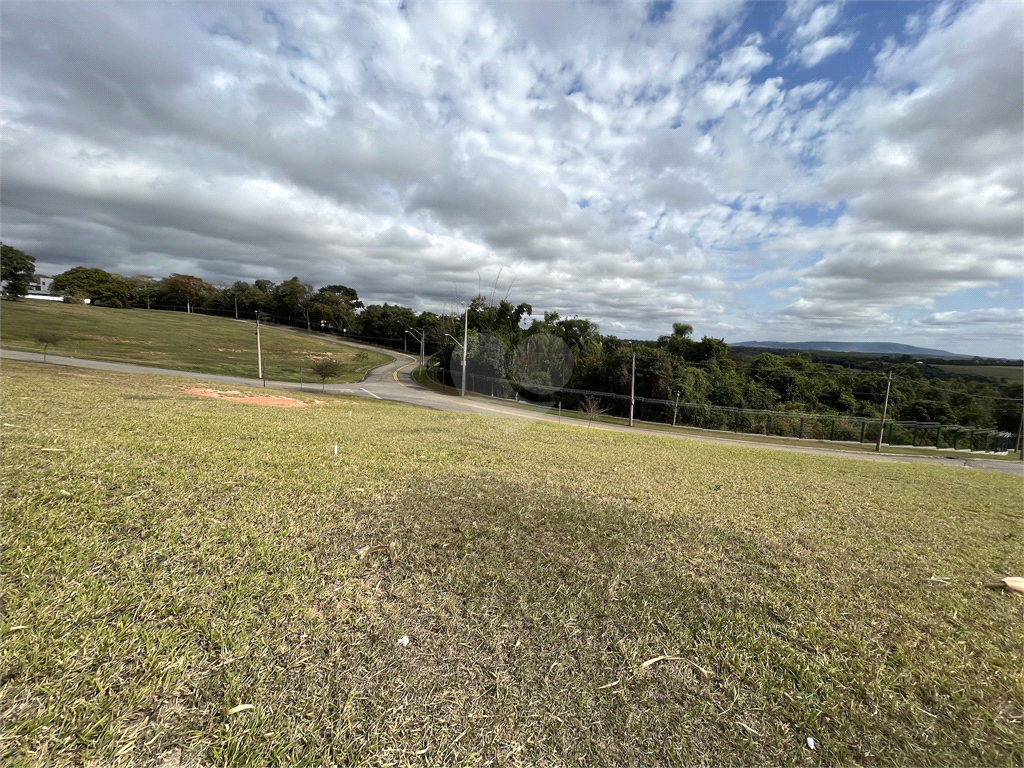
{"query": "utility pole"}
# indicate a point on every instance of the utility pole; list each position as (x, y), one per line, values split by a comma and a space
(675, 411)
(188, 306)
(236, 307)
(632, 384)
(259, 349)
(465, 348)
(885, 408)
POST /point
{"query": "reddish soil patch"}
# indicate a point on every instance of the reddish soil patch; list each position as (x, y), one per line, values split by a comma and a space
(237, 397)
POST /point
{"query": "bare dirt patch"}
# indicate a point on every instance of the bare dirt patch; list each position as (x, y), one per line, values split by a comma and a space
(237, 397)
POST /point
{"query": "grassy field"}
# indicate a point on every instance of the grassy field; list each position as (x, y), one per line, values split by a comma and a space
(180, 586)
(1011, 373)
(175, 340)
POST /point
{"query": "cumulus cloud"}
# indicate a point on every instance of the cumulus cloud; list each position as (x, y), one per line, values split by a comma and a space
(634, 167)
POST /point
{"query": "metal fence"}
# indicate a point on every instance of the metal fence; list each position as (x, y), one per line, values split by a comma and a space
(807, 426)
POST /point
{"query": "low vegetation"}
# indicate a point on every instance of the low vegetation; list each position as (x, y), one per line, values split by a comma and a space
(175, 340)
(180, 585)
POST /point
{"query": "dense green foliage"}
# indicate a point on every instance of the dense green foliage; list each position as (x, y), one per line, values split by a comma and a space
(16, 270)
(100, 287)
(676, 366)
(705, 372)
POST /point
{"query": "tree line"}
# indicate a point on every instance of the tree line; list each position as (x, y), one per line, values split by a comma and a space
(565, 358)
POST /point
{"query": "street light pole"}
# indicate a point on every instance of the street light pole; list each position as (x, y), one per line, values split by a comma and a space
(422, 339)
(465, 348)
(632, 384)
(259, 349)
(675, 411)
(457, 344)
(885, 407)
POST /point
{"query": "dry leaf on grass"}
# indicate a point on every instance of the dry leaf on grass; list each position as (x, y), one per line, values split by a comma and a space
(240, 708)
(391, 549)
(656, 659)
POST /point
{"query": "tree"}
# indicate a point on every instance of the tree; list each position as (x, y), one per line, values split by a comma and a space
(326, 368)
(186, 290)
(343, 292)
(97, 285)
(592, 407)
(1007, 410)
(334, 306)
(16, 270)
(290, 299)
(47, 338)
(142, 288)
(386, 321)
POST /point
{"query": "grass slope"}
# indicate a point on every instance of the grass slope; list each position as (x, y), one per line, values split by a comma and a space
(168, 558)
(186, 342)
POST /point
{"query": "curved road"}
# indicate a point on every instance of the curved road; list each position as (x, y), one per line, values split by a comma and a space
(393, 381)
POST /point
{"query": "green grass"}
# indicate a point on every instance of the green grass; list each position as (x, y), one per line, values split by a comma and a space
(1011, 373)
(167, 558)
(175, 340)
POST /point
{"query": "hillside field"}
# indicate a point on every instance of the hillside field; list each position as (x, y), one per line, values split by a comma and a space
(180, 586)
(1011, 373)
(175, 340)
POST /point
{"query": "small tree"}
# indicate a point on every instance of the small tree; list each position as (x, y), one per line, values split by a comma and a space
(326, 368)
(46, 338)
(592, 407)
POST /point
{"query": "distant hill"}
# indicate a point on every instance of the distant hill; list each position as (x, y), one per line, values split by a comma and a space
(864, 347)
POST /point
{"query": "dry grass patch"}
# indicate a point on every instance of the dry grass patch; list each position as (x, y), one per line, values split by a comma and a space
(179, 558)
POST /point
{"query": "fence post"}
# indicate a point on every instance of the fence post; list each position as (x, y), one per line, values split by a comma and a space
(913, 443)
(888, 440)
(768, 427)
(1020, 439)
(832, 434)
(938, 436)
(863, 426)
(801, 428)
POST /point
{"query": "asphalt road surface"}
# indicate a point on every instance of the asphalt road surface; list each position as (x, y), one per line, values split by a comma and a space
(393, 381)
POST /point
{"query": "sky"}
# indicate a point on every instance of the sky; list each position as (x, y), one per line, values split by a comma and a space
(769, 171)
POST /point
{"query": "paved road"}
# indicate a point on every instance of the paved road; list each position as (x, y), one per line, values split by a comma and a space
(393, 381)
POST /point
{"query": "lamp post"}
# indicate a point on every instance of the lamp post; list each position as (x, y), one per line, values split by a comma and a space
(632, 384)
(675, 411)
(422, 339)
(259, 349)
(885, 407)
(457, 344)
(465, 346)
